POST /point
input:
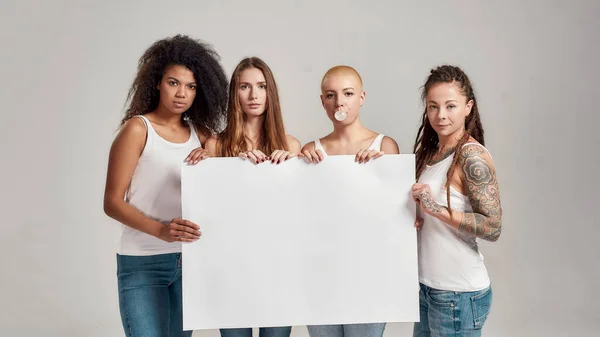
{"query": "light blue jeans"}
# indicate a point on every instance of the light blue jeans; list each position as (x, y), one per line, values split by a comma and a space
(452, 313)
(150, 295)
(283, 331)
(347, 330)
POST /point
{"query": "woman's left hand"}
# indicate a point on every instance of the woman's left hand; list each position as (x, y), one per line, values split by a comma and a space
(422, 195)
(279, 156)
(419, 223)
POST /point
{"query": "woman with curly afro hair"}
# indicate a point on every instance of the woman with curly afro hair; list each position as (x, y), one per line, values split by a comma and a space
(177, 100)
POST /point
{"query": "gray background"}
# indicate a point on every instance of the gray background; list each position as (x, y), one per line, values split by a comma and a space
(66, 67)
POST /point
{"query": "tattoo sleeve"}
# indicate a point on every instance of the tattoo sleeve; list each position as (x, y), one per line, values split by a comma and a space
(482, 189)
(429, 203)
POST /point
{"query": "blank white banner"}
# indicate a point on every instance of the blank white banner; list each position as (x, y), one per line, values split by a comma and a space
(300, 244)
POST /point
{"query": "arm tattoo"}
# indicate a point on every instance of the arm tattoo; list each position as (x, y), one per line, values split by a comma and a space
(482, 189)
(428, 203)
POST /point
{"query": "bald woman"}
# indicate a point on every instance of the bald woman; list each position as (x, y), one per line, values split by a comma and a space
(342, 96)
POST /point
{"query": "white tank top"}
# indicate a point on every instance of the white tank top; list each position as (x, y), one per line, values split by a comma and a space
(376, 145)
(448, 259)
(155, 190)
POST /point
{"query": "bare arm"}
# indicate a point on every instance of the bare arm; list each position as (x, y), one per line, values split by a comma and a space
(479, 181)
(211, 145)
(293, 144)
(203, 135)
(389, 146)
(123, 159)
(200, 153)
(310, 146)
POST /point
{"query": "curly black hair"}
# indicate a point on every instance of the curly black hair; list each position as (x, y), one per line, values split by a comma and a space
(209, 109)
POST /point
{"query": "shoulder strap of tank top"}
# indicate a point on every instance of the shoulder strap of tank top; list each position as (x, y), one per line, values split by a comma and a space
(319, 146)
(193, 131)
(149, 129)
(483, 147)
(376, 145)
(146, 122)
(144, 119)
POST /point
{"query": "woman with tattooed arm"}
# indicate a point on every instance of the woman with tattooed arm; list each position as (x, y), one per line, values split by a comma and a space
(457, 192)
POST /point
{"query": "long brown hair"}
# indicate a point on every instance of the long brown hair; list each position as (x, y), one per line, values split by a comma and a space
(232, 140)
(426, 143)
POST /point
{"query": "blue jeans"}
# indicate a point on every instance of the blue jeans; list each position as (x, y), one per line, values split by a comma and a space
(280, 331)
(347, 330)
(452, 313)
(150, 295)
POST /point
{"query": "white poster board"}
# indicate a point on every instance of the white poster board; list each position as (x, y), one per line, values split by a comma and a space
(300, 244)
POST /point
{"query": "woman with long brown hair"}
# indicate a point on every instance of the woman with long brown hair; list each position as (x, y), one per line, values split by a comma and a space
(457, 192)
(255, 127)
(254, 131)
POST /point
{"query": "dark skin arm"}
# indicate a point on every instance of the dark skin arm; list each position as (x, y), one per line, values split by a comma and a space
(124, 155)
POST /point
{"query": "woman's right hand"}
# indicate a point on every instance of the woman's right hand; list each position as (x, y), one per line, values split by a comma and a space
(180, 230)
(313, 156)
(255, 156)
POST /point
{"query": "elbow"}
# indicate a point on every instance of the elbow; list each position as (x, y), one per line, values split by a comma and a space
(110, 207)
(495, 232)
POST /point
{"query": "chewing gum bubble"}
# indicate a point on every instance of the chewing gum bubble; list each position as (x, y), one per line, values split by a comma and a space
(340, 115)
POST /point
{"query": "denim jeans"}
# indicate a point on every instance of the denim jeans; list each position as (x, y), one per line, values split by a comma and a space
(347, 330)
(150, 295)
(282, 331)
(452, 313)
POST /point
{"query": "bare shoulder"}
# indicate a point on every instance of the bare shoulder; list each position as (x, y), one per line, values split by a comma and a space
(203, 134)
(133, 131)
(212, 139)
(389, 145)
(308, 146)
(476, 166)
(293, 143)
(211, 145)
(474, 152)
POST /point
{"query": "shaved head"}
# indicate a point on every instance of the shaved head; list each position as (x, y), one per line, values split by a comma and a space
(342, 71)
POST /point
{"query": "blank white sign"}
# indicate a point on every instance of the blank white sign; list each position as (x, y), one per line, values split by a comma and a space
(300, 244)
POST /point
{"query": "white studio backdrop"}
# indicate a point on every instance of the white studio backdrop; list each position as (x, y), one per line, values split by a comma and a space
(67, 65)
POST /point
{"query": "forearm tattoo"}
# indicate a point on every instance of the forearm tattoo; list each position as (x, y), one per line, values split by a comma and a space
(482, 189)
(427, 202)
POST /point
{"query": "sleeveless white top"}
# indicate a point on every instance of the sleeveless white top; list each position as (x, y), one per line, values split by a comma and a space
(155, 190)
(448, 259)
(376, 145)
